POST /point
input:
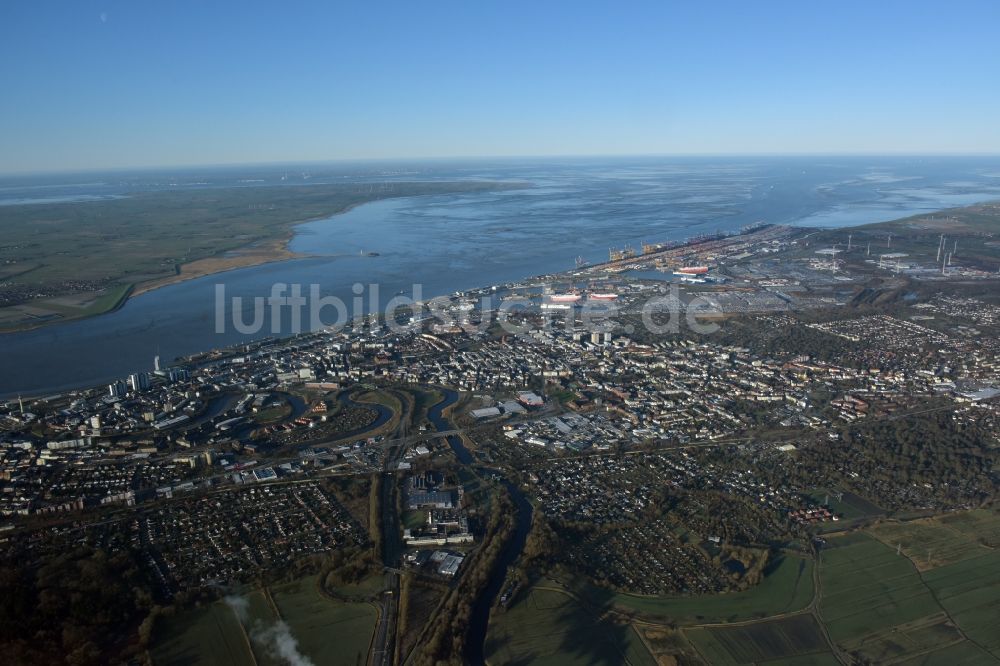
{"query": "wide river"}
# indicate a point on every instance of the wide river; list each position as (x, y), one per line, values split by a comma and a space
(446, 243)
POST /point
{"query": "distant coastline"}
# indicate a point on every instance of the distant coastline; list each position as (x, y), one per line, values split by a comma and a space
(253, 254)
(271, 248)
(487, 229)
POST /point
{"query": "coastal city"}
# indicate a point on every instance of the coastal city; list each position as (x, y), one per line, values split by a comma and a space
(687, 420)
(500, 334)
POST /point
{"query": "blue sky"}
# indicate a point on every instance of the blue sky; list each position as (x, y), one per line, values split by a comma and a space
(117, 84)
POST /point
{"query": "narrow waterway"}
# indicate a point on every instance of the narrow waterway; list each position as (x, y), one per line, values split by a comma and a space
(480, 620)
(384, 414)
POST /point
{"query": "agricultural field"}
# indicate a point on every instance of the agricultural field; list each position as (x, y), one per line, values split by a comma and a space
(211, 636)
(911, 607)
(815, 659)
(982, 524)
(668, 645)
(265, 626)
(957, 654)
(881, 601)
(970, 592)
(545, 625)
(867, 587)
(787, 588)
(328, 631)
(961, 567)
(930, 543)
(794, 636)
(908, 641)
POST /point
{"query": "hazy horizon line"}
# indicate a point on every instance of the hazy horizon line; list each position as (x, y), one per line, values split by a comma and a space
(457, 158)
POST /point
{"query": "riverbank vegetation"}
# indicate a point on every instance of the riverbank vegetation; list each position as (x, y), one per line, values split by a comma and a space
(445, 639)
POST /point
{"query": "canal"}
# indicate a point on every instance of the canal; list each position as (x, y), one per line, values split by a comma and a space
(480, 619)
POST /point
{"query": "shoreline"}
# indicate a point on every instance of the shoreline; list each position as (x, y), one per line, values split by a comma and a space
(281, 245)
(276, 251)
(271, 248)
(270, 251)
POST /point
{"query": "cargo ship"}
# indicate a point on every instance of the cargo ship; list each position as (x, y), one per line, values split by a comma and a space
(555, 306)
(564, 298)
(691, 270)
(603, 297)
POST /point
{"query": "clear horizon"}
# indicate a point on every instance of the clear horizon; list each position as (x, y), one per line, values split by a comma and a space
(118, 85)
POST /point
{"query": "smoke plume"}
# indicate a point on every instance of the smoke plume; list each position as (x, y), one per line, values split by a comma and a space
(277, 639)
(239, 605)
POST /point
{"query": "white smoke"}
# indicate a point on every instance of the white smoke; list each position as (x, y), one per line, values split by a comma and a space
(277, 639)
(239, 605)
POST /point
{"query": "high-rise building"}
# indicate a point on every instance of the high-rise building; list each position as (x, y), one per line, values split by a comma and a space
(599, 337)
(178, 375)
(138, 381)
(117, 389)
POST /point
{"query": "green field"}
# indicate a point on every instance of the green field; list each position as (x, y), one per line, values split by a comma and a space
(414, 519)
(959, 654)
(815, 659)
(963, 568)
(929, 543)
(788, 637)
(329, 632)
(877, 605)
(363, 590)
(867, 587)
(983, 525)
(324, 630)
(846, 504)
(970, 592)
(209, 636)
(914, 639)
(715, 653)
(785, 589)
(547, 626)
